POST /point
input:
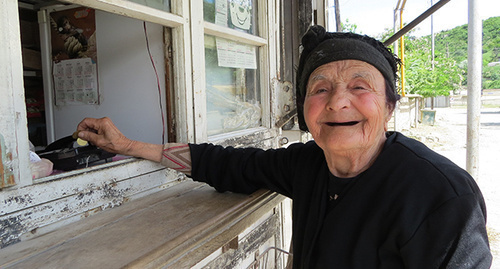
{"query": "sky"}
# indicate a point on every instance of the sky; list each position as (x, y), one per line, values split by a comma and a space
(373, 16)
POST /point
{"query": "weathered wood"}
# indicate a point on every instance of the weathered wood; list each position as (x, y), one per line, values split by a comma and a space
(268, 63)
(236, 223)
(133, 10)
(231, 34)
(256, 137)
(40, 208)
(6, 176)
(170, 226)
(183, 74)
(259, 239)
(13, 121)
(198, 71)
(305, 15)
(73, 183)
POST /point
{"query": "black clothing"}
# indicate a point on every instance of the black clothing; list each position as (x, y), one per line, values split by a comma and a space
(412, 208)
(337, 187)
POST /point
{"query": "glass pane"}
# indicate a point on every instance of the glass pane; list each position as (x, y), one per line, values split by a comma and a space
(233, 94)
(235, 14)
(157, 4)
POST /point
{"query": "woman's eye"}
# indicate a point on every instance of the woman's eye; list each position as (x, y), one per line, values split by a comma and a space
(359, 87)
(320, 90)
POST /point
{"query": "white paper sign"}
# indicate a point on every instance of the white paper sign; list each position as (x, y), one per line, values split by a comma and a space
(235, 55)
(221, 12)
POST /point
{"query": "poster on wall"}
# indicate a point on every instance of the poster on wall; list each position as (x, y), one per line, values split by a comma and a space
(74, 56)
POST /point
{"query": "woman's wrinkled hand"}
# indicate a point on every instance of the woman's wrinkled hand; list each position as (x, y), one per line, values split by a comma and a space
(105, 135)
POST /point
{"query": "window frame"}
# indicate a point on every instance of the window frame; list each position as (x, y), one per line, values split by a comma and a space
(186, 23)
(263, 41)
(16, 165)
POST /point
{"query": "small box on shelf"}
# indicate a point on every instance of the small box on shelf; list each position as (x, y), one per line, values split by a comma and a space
(32, 59)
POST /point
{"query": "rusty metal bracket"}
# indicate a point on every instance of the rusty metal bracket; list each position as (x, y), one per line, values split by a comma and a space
(283, 120)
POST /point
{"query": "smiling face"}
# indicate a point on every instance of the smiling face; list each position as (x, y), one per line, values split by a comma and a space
(240, 11)
(345, 107)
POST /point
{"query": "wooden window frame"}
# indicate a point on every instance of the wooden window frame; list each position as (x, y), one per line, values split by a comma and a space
(186, 23)
(266, 50)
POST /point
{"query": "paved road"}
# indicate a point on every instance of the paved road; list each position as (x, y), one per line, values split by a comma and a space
(448, 137)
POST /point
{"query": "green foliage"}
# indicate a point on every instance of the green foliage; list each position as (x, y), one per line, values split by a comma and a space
(491, 77)
(386, 35)
(491, 39)
(425, 78)
(349, 27)
(453, 44)
(450, 60)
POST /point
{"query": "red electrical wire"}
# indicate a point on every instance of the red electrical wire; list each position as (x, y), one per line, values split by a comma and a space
(158, 83)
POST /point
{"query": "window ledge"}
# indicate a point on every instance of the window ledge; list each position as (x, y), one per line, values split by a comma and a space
(83, 171)
(248, 137)
(175, 227)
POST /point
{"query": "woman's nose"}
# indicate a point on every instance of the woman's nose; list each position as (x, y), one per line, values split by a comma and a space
(338, 100)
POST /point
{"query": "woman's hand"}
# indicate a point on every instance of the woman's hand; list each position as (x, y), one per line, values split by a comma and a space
(104, 134)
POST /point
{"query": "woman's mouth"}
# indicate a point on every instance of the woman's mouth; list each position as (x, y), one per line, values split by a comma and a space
(347, 123)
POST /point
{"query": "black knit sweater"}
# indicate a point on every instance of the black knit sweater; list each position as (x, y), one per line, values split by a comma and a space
(412, 208)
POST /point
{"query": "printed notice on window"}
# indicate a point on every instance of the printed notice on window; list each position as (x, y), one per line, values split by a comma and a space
(75, 82)
(235, 55)
(221, 12)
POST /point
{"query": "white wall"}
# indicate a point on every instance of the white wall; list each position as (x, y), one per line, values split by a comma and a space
(127, 81)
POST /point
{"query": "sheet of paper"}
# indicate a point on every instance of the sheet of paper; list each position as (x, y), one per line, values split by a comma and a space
(75, 82)
(235, 55)
(221, 12)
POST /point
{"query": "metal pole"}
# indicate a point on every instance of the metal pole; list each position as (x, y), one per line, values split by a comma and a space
(474, 88)
(432, 53)
(415, 22)
(402, 54)
(48, 83)
(396, 28)
(432, 40)
(396, 50)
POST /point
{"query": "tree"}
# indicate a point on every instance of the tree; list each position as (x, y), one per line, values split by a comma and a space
(491, 77)
(450, 61)
(427, 79)
(349, 27)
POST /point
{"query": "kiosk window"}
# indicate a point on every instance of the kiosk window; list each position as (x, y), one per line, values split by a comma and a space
(233, 94)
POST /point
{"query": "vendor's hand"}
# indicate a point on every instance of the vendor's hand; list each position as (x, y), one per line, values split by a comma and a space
(104, 134)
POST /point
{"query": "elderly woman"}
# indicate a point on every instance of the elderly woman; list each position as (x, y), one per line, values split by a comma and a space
(363, 197)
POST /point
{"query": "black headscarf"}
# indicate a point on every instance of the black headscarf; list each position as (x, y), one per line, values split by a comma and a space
(321, 47)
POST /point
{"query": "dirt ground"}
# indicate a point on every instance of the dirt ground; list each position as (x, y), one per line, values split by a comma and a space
(448, 137)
